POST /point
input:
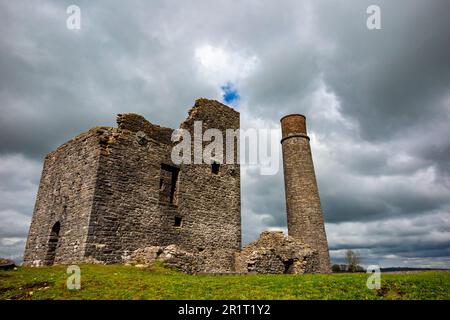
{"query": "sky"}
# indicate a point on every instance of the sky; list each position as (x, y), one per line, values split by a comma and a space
(377, 103)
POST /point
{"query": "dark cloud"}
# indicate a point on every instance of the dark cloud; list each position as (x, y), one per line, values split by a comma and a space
(377, 103)
(394, 78)
(420, 240)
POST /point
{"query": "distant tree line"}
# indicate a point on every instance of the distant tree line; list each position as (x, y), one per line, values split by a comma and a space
(353, 260)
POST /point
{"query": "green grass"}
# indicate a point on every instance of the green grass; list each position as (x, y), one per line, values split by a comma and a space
(126, 282)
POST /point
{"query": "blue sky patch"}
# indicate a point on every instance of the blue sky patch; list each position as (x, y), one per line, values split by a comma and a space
(229, 93)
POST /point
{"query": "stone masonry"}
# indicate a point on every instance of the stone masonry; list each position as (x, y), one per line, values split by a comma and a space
(304, 213)
(110, 191)
(274, 253)
(113, 195)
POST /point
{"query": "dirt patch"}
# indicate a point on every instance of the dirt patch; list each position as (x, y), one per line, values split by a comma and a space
(36, 285)
(5, 289)
(382, 292)
(390, 291)
(27, 290)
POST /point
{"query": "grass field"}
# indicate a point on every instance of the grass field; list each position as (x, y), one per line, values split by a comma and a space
(125, 282)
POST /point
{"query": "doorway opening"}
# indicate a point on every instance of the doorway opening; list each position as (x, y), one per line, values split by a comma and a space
(52, 244)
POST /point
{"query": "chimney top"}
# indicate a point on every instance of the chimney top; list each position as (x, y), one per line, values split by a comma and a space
(293, 125)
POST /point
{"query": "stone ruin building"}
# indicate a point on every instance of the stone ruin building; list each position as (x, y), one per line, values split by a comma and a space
(113, 195)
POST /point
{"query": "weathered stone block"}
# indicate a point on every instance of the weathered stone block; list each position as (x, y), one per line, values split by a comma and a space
(274, 253)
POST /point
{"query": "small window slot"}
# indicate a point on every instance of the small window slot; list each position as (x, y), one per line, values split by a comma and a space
(215, 167)
(168, 184)
(177, 222)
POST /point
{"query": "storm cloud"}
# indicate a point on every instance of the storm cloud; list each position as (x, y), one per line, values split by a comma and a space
(377, 103)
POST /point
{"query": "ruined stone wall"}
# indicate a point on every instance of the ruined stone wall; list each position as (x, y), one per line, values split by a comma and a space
(210, 201)
(192, 262)
(127, 213)
(304, 212)
(65, 196)
(115, 190)
(133, 207)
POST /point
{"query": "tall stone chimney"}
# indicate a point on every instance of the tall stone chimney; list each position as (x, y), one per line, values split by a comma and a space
(304, 213)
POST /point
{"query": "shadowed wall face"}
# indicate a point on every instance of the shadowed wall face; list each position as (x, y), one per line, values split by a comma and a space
(111, 191)
(304, 213)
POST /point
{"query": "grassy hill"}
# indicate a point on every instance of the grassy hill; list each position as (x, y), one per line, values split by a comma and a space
(126, 282)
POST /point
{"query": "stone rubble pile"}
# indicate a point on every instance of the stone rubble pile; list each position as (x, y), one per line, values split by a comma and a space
(272, 253)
